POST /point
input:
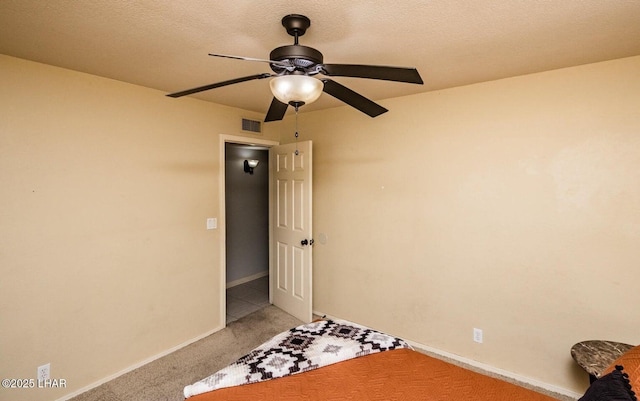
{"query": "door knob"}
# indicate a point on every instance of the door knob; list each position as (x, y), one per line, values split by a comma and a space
(306, 242)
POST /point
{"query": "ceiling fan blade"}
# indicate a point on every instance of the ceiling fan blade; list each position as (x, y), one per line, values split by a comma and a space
(276, 111)
(218, 85)
(352, 98)
(399, 74)
(280, 63)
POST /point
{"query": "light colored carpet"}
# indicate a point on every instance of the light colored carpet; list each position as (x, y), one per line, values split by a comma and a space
(165, 378)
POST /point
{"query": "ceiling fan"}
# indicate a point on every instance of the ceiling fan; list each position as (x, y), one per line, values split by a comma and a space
(294, 68)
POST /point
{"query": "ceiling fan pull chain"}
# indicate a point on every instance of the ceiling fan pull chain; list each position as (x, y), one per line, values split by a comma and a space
(296, 130)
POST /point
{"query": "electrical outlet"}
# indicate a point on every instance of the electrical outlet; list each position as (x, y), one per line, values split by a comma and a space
(477, 335)
(44, 372)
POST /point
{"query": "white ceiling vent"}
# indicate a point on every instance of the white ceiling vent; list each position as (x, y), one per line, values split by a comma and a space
(251, 126)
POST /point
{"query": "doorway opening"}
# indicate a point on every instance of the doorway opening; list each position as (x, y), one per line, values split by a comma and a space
(245, 242)
(289, 171)
(247, 229)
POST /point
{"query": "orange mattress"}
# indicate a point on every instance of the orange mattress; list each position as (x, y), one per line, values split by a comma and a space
(400, 374)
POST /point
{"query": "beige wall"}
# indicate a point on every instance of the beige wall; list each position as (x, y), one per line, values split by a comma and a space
(510, 206)
(104, 192)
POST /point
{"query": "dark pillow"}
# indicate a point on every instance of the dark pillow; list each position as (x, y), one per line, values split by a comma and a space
(611, 387)
(631, 362)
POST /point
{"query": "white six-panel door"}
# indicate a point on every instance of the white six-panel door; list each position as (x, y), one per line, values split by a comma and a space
(291, 253)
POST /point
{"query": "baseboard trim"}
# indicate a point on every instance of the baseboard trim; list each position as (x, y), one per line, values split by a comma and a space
(247, 279)
(482, 367)
(138, 365)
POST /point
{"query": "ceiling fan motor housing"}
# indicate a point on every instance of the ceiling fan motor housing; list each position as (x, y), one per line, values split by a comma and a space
(302, 57)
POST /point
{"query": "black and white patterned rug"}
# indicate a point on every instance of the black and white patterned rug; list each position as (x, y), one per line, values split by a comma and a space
(300, 349)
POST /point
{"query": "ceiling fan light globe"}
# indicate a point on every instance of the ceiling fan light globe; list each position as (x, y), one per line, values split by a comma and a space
(296, 89)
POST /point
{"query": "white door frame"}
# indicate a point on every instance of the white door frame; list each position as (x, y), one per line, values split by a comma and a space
(222, 220)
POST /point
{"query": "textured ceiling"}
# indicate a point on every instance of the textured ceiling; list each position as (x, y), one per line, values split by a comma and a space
(163, 44)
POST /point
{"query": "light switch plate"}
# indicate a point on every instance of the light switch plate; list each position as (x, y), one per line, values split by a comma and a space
(212, 223)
